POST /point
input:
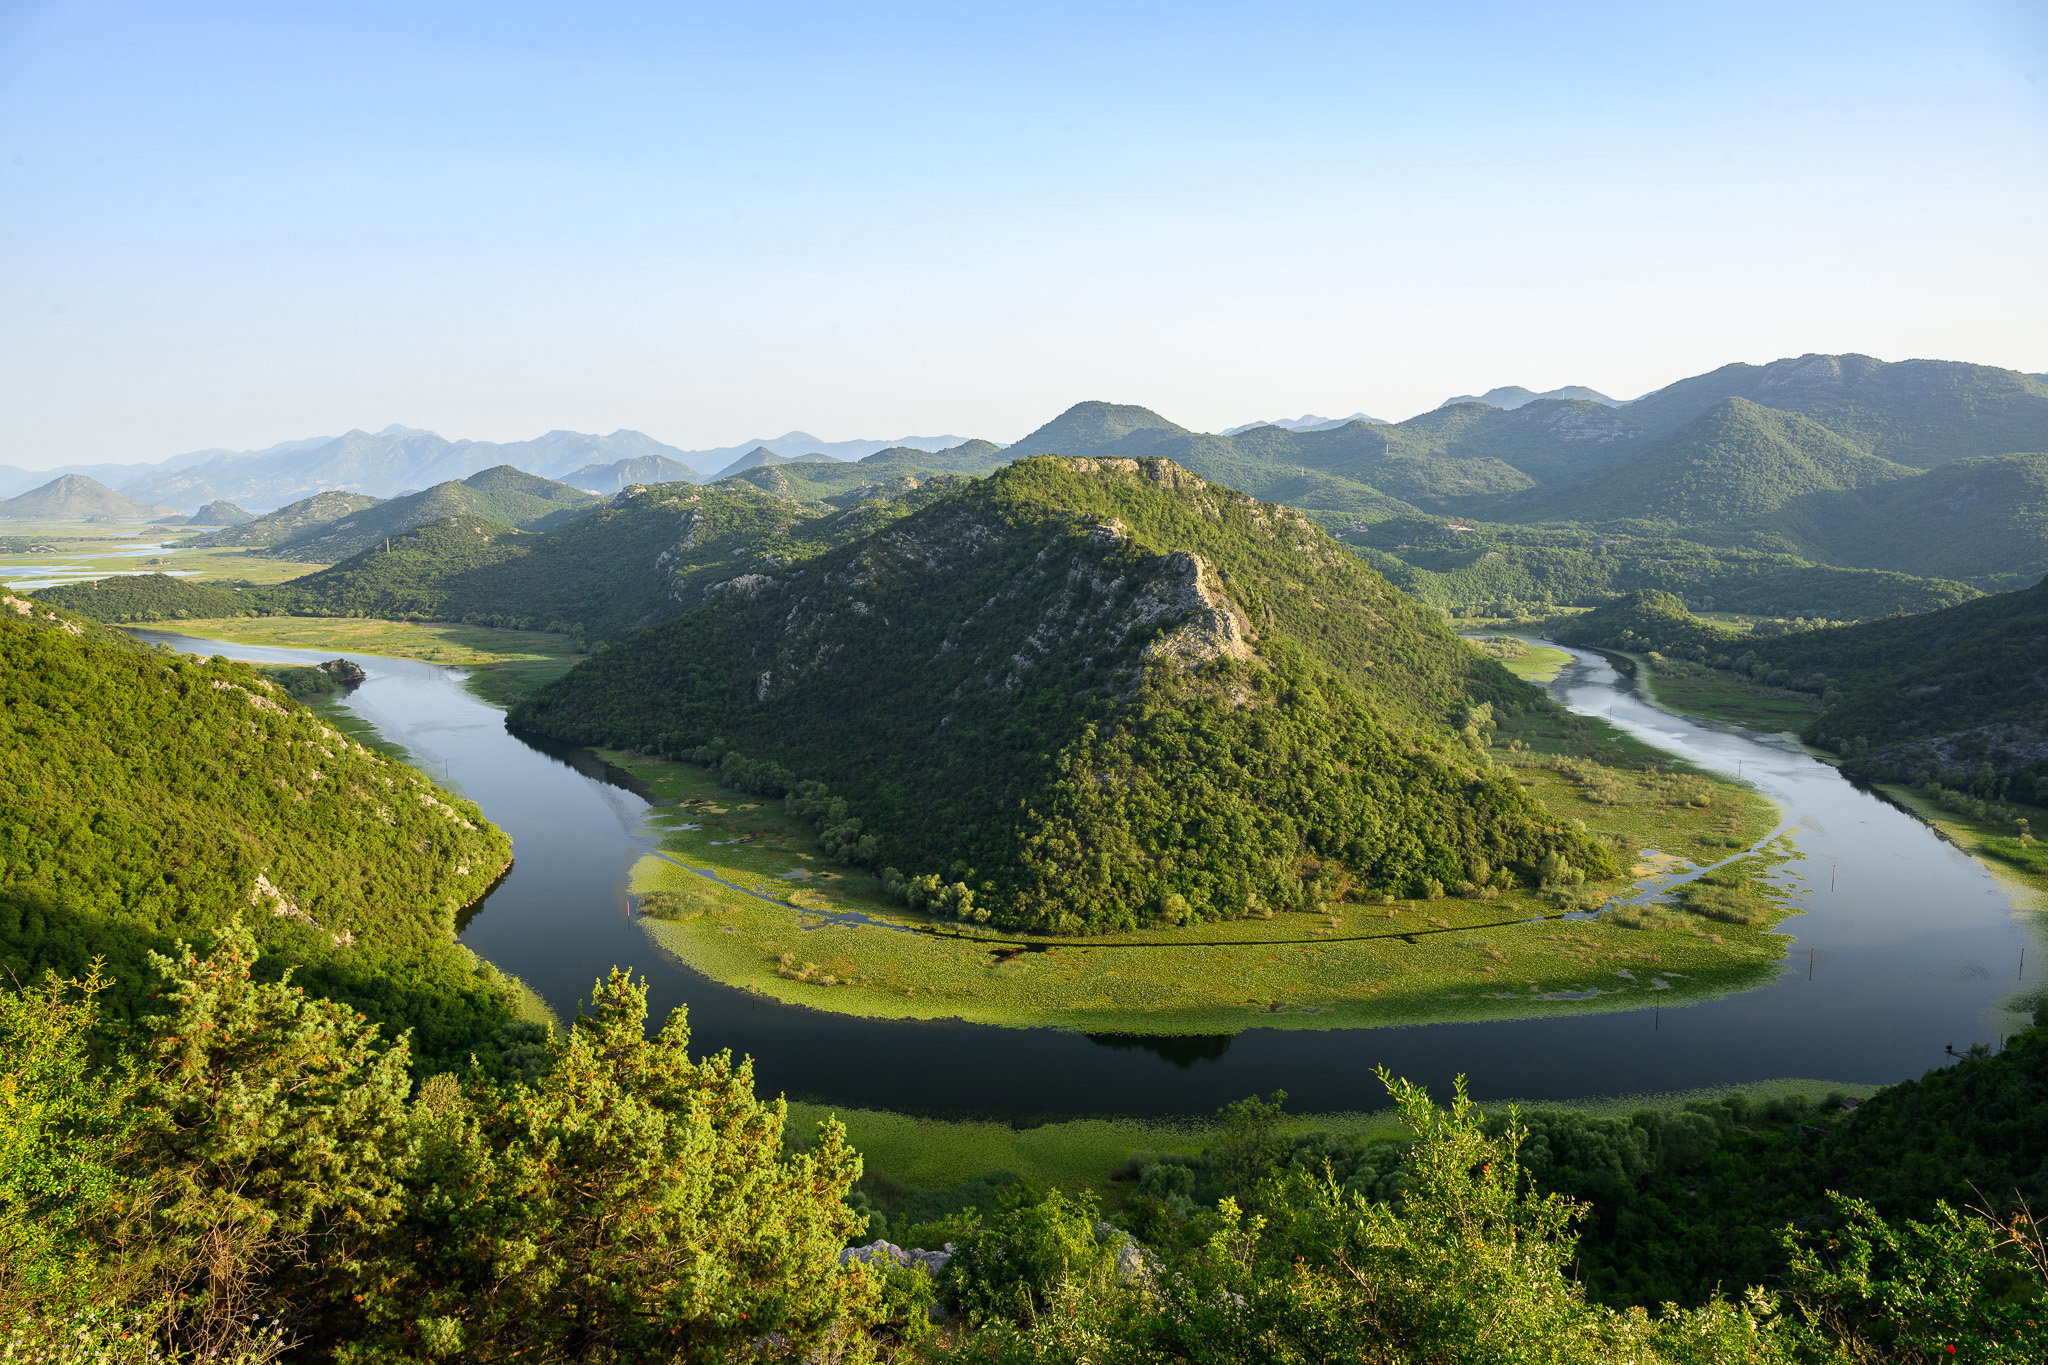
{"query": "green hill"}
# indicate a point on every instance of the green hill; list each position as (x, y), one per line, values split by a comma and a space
(1087, 693)
(969, 457)
(504, 495)
(1731, 467)
(274, 528)
(156, 597)
(151, 797)
(1487, 569)
(1646, 621)
(1946, 692)
(642, 557)
(1916, 412)
(1983, 519)
(1355, 472)
(1552, 441)
(74, 497)
(220, 512)
(1094, 426)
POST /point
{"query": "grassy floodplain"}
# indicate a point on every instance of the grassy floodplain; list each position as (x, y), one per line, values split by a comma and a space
(908, 1153)
(502, 664)
(774, 917)
(90, 549)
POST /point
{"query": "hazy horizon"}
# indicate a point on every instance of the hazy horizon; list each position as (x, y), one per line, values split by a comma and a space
(229, 226)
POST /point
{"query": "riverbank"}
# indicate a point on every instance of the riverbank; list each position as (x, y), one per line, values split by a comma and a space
(503, 665)
(1714, 694)
(738, 890)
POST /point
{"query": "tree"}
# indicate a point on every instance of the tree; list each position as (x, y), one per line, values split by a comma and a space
(275, 1137)
(629, 1204)
(62, 1128)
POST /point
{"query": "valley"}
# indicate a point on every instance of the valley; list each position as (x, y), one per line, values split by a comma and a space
(588, 847)
(1033, 816)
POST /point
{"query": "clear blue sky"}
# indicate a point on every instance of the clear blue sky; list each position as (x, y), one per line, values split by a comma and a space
(231, 225)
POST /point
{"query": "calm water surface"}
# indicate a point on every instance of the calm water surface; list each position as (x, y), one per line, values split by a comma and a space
(1905, 946)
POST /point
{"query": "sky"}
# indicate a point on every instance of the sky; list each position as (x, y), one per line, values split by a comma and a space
(226, 226)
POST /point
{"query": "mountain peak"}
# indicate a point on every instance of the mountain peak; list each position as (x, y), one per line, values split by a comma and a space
(1089, 427)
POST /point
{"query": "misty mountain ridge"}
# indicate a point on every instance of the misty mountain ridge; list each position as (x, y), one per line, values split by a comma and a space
(74, 497)
(1308, 421)
(1513, 396)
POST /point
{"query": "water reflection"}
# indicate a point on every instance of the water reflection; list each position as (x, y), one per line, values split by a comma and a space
(1183, 1050)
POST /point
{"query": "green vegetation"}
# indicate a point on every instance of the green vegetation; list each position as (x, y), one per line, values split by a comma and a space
(274, 528)
(256, 1170)
(638, 559)
(503, 496)
(1481, 569)
(152, 796)
(256, 1173)
(1955, 696)
(1087, 696)
(775, 917)
(1731, 467)
(1645, 621)
(1529, 662)
(1922, 413)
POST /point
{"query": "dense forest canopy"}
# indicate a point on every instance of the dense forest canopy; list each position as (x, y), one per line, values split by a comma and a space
(1082, 694)
(152, 796)
(645, 555)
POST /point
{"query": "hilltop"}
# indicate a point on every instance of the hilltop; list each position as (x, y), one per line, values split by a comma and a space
(1916, 412)
(152, 796)
(74, 497)
(220, 513)
(611, 478)
(1086, 693)
(274, 528)
(1512, 396)
(503, 495)
(1733, 465)
(1645, 621)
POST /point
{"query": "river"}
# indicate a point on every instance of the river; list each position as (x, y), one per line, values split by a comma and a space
(1905, 946)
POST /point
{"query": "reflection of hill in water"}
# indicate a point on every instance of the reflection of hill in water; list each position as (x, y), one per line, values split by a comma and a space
(1183, 1050)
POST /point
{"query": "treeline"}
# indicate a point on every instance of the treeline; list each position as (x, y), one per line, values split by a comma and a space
(254, 1176)
(1012, 698)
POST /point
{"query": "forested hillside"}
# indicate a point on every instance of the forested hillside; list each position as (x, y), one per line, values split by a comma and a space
(1081, 694)
(1916, 412)
(152, 797)
(274, 528)
(1944, 692)
(1484, 569)
(644, 556)
(1728, 468)
(504, 495)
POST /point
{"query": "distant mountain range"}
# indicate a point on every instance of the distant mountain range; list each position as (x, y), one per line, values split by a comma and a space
(1305, 422)
(1515, 396)
(1920, 467)
(399, 460)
